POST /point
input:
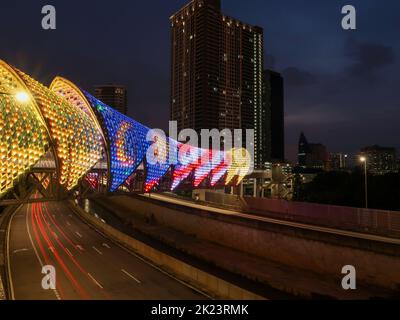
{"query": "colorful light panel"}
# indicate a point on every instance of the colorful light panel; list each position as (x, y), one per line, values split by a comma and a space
(184, 168)
(126, 140)
(210, 161)
(77, 139)
(23, 135)
(159, 164)
(74, 96)
(82, 130)
(240, 165)
(219, 171)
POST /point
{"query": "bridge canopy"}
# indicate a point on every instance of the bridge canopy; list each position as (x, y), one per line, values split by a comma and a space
(23, 134)
(67, 128)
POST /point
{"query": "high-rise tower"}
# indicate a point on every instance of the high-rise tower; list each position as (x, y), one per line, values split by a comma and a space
(216, 69)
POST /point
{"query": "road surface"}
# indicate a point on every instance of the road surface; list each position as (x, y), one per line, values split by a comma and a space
(88, 265)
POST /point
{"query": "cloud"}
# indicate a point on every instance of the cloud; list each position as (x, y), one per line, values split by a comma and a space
(368, 58)
(316, 115)
(298, 78)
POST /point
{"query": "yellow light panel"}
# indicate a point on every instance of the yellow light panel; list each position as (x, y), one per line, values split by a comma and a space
(70, 92)
(23, 134)
(77, 140)
(240, 167)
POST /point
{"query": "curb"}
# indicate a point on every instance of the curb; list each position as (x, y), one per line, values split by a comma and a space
(191, 275)
(2, 256)
(4, 223)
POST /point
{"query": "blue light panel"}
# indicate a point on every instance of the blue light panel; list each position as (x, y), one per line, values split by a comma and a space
(126, 139)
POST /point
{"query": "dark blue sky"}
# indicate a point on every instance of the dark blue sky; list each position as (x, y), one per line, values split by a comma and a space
(341, 86)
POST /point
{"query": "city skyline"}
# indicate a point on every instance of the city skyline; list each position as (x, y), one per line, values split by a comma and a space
(339, 84)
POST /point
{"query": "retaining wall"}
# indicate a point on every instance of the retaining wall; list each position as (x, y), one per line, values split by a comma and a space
(377, 263)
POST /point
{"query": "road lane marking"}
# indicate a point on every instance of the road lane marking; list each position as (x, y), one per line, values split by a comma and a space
(80, 247)
(78, 234)
(106, 246)
(95, 281)
(20, 250)
(131, 253)
(98, 251)
(131, 276)
(164, 272)
(56, 293)
(69, 252)
(68, 224)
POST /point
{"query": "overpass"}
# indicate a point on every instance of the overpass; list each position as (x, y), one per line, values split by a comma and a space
(61, 141)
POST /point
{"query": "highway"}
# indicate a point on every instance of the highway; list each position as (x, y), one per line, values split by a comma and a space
(88, 266)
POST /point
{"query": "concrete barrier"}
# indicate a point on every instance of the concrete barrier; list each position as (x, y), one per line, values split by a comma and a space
(204, 281)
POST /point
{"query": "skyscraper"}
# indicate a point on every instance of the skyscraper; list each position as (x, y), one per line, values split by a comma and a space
(339, 161)
(216, 69)
(304, 149)
(380, 160)
(115, 96)
(271, 121)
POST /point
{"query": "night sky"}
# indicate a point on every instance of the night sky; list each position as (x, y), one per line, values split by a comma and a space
(342, 87)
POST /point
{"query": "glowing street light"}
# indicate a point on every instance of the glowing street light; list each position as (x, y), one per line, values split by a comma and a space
(364, 160)
(22, 97)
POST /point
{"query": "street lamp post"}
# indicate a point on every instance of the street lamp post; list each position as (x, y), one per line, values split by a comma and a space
(365, 162)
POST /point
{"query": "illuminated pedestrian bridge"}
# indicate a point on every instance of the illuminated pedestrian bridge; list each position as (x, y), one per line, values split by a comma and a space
(65, 129)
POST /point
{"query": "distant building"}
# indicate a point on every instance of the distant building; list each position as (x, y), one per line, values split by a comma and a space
(272, 120)
(312, 155)
(216, 70)
(113, 95)
(380, 160)
(303, 150)
(318, 157)
(339, 161)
